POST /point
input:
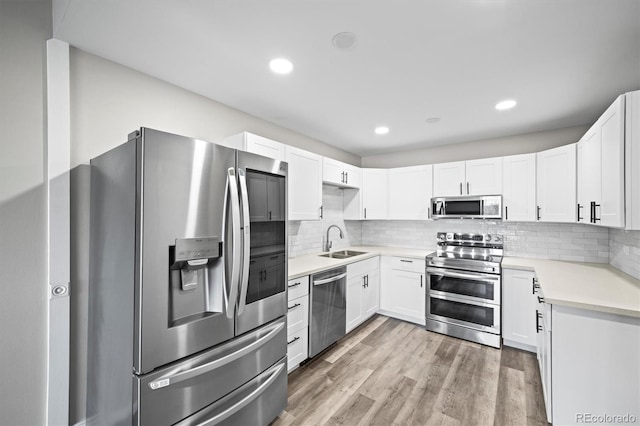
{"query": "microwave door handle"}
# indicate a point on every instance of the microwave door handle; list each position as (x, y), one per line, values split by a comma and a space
(234, 282)
(246, 241)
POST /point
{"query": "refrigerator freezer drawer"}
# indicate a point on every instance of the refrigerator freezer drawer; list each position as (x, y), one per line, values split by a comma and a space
(256, 403)
(179, 390)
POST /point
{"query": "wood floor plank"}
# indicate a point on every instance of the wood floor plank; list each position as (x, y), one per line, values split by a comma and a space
(389, 372)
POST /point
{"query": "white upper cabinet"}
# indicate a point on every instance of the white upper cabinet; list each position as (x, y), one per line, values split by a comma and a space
(519, 188)
(601, 169)
(305, 184)
(374, 193)
(257, 145)
(410, 192)
(449, 179)
(632, 160)
(484, 177)
(340, 174)
(556, 184)
(474, 177)
(371, 201)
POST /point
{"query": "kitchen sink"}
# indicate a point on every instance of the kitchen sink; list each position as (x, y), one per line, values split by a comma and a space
(342, 254)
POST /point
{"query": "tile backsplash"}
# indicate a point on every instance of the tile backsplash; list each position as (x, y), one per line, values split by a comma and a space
(572, 242)
(308, 236)
(546, 241)
(624, 251)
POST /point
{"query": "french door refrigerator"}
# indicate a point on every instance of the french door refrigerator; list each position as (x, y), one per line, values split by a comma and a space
(187, 297)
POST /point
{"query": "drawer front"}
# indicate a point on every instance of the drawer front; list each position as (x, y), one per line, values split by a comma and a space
(297, 314)
(364, 266)
(297, 347)
(408, 264)
(298, 287)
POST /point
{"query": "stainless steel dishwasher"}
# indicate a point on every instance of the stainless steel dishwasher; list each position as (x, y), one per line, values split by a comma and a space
(328, 317)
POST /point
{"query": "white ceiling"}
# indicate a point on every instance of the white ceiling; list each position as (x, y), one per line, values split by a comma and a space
(563, 61)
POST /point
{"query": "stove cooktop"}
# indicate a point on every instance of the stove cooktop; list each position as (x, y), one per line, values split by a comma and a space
(468, 252)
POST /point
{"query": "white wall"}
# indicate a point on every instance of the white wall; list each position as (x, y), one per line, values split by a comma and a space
(24, 28)
(511, 145)
(109, 101)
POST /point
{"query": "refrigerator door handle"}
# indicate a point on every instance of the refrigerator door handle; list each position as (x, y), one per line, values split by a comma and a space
(246, 241)
(235, 228)
(171, 379)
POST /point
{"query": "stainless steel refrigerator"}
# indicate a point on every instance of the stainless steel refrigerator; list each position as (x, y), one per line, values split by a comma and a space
(187, 295)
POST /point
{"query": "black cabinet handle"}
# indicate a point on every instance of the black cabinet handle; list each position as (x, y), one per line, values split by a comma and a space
(467, 188)
(594, 217)
(342, 177)
(294, 285)
(321, 211)
(420, 280)
(460, 188)
(580, 207)
(506, 213)
(297, 338)
(365, 212)
(540, 299)
(407, 261)
(294, 306)
(538, 316)
(538, 214)
(269, 215)
(346, 177)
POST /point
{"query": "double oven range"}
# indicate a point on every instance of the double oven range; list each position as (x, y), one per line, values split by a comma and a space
(464, 287)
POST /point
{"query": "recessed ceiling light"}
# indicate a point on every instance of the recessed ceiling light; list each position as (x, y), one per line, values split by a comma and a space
(432, 120)
(281, 66)
(344, 40)
(381, 130)
(508, 104)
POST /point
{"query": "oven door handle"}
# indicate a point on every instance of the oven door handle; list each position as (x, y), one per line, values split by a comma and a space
(330, 280)
(457, 274)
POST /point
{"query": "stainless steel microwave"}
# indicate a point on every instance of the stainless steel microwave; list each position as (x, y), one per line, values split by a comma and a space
(467, 207)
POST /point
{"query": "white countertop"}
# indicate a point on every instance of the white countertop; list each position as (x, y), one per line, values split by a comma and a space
(311, 263)
(592, 286)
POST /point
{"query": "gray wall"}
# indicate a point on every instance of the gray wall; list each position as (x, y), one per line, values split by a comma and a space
(25, 25)
(487, 148)
(108, 101)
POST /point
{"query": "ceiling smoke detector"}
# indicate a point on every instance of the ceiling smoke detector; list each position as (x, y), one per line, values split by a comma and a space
(345, 40)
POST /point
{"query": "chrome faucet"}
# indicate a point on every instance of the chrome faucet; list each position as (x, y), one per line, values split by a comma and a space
(328, 243)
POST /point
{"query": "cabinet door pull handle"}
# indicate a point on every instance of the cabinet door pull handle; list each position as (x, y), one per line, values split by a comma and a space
(365, 212)
(406, 261)
(595, 215)
(460, 188)
(580, 207)
(294, 285)
(538, 328)
(346, 177)
(321, 211)
(467, 188)
(538, 212)
(290, 342)
(420, 280)
(540, 299)
(294, 306)
(342, 177)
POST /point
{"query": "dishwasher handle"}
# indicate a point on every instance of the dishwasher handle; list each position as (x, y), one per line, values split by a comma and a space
(330, 279)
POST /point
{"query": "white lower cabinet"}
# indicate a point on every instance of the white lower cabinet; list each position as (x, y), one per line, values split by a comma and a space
(519, 309)
(297, 322)
(363, 291)
(403, 288)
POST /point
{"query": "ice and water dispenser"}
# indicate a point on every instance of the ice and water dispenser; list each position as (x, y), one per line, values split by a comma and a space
(196, 279)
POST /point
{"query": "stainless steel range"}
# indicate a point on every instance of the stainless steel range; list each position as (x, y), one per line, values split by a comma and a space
(464, 287)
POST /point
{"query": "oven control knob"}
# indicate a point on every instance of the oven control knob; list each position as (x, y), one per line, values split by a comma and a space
(488, 237)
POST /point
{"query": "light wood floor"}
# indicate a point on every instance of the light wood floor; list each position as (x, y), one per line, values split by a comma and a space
(390, 372)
